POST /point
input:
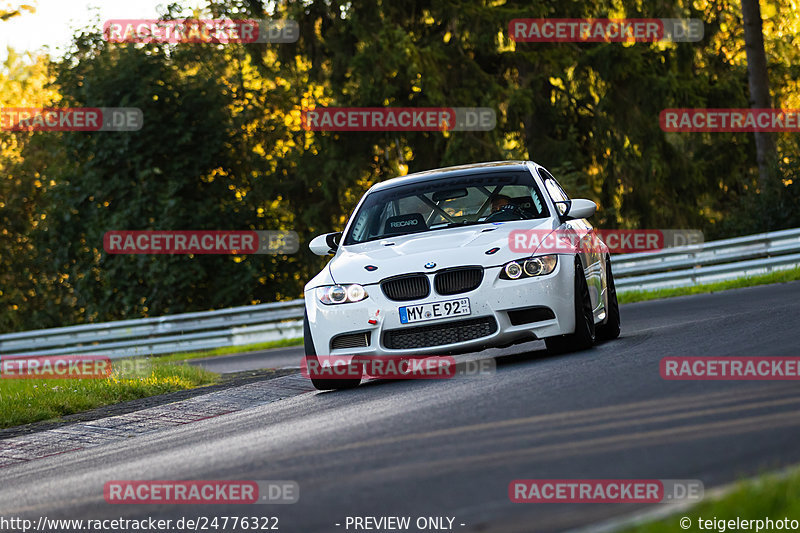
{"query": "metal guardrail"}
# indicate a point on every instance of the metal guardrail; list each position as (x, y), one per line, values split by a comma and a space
(167, 334)
(673, 267)
(708, 262)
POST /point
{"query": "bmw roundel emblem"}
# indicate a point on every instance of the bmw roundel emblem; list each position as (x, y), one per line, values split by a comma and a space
(430, 265)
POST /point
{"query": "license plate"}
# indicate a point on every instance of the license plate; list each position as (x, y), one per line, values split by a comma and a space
(432, 311)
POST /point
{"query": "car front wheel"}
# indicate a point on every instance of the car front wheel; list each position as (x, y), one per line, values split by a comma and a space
(609, 330)
(583, 337)
(313, 362)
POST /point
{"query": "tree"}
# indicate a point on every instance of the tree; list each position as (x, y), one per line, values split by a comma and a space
(758, 81)
(12, 9)
(25, 289)
(223, 146)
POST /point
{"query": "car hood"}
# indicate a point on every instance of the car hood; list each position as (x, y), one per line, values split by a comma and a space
(446, 248)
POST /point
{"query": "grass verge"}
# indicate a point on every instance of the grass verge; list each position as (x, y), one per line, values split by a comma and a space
(225, 350)
(30, 400)
(23, 401)
(781, 276)
(771, 496)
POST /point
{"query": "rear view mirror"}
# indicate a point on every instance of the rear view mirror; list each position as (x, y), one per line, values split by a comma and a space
(580, 208)
(452, 194)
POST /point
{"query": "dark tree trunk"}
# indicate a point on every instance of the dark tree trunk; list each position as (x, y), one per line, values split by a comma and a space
(758, 81)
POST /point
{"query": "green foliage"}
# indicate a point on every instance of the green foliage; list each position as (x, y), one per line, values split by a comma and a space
(222, 145)
(757, 211)
(10, 10)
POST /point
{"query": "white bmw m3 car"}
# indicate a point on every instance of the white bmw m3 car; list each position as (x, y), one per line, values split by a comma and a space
(426, 266)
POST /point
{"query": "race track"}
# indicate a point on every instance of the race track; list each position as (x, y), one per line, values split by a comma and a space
(451, 447)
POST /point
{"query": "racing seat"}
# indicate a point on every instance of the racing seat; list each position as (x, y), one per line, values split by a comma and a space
(408, 223)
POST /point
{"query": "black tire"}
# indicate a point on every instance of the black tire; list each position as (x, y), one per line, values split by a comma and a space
(609, 330)
(311, 354)
(583, 337)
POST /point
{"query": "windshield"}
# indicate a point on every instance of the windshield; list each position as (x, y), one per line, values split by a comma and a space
(446, 203)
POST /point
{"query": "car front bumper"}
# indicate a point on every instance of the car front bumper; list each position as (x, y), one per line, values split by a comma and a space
(488, 325)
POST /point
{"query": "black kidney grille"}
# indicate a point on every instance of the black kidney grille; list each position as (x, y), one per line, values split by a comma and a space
(458, 280)
(439, 334)
(405, 288)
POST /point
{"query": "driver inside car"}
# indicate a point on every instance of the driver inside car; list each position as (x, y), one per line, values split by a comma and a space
(500, 201)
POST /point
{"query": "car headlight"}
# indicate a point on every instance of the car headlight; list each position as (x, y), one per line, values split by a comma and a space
(356, 293)
(529, 268)
(340, 294)
(512, 270)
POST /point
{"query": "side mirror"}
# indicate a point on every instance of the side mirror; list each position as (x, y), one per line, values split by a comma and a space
(326, 244)
(580, 208)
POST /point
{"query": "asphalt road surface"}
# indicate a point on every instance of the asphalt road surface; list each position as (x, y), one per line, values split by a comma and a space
(450, 448)
(288, 357)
